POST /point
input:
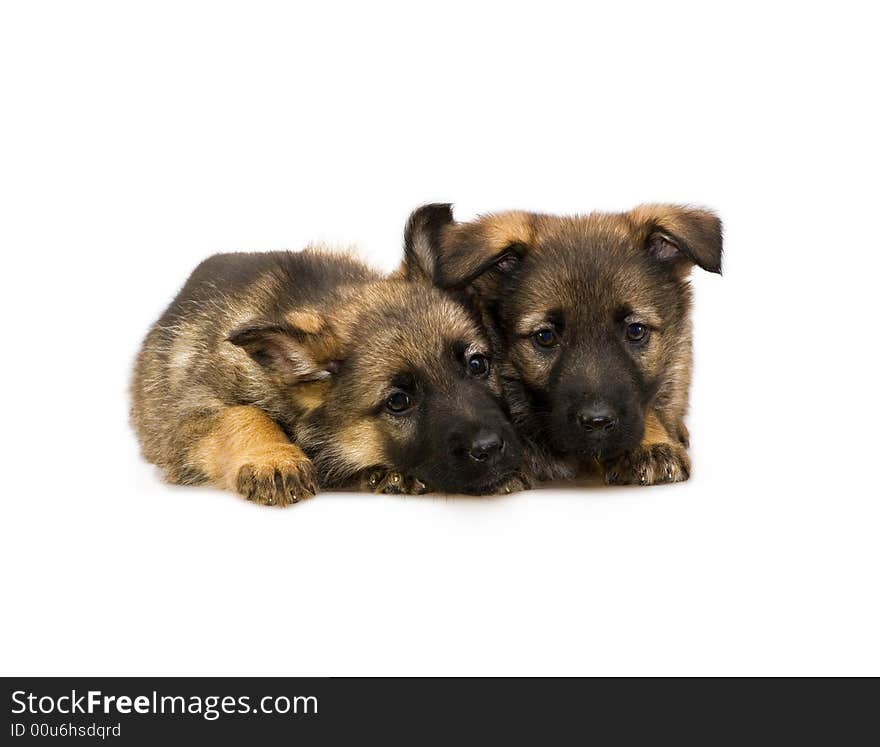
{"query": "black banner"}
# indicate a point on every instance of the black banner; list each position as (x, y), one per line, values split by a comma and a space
(332, 711)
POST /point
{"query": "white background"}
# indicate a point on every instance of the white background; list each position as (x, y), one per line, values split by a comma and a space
(137, 138)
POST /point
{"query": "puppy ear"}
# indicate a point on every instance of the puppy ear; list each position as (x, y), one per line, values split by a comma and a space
(491, 243)
(681, 236)
(296, 349)
(421, 241)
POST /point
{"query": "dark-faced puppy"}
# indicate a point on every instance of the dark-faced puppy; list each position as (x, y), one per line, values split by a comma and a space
(416, 393)
(271, 374)
(591, 319)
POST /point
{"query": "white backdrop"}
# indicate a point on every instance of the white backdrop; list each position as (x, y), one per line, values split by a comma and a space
(137, 138)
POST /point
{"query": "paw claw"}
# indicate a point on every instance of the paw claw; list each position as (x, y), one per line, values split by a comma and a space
(278, 479)
(518, 481)
(393, 483)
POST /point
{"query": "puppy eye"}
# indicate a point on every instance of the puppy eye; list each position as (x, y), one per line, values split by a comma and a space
(546, 337)
(398, 402)
(636, 332)
(478, 365)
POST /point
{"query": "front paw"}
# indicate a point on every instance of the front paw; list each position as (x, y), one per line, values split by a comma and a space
(519, 480)
(382, 480)
(277, 478)
(650, 464)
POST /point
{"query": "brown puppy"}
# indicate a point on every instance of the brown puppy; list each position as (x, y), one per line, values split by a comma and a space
(271, 374)
(590, 316)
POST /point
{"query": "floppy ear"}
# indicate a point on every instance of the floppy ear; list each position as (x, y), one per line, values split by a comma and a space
(421, 241)
(297, 349)
(681, 236)
(491, 243)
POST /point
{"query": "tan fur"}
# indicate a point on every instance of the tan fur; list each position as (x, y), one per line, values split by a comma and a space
(307, 321)
(310, 395)
(655, 433)
(503, 229)
(588, 271)
(238, 436)
(270, 372)
(361, 445)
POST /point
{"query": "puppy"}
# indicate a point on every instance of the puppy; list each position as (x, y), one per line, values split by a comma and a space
(273, 374)
(590, 316)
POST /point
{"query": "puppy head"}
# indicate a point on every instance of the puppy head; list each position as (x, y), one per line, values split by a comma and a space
(398, 376)
(591, 311)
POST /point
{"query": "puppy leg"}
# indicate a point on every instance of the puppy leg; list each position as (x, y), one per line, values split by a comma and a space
(246, 451)
(658, 459)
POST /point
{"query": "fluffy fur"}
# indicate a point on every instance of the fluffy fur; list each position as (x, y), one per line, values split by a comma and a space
(271, 375)
(590, 321)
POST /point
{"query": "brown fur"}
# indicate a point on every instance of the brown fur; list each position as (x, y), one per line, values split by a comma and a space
(585, 278)
(246, 451)
(267, 376)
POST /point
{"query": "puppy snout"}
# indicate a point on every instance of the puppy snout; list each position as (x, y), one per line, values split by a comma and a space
(597, 419)
(486, 446)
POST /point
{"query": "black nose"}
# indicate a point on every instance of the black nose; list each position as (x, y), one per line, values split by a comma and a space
(486, 445)
(597, 419)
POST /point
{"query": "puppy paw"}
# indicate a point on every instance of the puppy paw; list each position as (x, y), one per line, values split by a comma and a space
(382, 480)
(277, 478)
(513, 484)
(650, 464)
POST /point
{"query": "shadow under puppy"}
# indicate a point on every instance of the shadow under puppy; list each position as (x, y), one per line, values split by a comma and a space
(590, 318)
(271, 374)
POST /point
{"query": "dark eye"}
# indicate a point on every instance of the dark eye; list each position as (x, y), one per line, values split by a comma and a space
(478, 365)
(636, 332)
(546, 337)
(398, 402)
